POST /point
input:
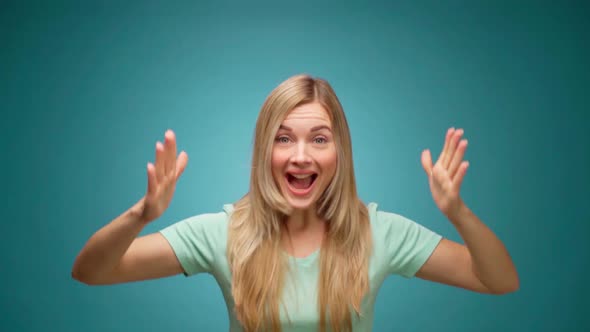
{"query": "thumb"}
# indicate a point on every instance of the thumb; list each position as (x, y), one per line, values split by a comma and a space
(152, 178)
(426, 161)
(181, 163)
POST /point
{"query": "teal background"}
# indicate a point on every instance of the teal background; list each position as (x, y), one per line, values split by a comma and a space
(87, 88)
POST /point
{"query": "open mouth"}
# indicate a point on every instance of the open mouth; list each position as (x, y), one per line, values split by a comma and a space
(301, 183)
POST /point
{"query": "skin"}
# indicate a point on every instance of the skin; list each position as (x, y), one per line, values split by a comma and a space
(304, 143)
(115, 253)
(482, 264)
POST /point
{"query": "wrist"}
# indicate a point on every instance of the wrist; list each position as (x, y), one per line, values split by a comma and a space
(459, 214)
(136, 212)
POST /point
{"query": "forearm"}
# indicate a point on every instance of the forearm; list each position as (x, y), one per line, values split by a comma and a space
(491, 261)
(104, 249)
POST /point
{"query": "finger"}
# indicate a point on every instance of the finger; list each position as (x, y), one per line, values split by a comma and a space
(152, 181)
(457, 158)
(436, 178)
(181, 163)
(426, 159)
(452, 147)
(443, 152)
(159, 161)
(170, 152)
(458, 180)
(440, 177)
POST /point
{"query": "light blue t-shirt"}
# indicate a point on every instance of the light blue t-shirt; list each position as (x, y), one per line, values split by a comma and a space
(400, 246)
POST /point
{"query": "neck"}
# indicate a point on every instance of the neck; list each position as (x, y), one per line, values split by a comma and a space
(303, 221)
(304, 232)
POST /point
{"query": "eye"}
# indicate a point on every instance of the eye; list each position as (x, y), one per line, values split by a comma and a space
(282, 139)
(320, 140)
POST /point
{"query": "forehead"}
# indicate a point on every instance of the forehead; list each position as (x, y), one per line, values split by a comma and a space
(312, 111)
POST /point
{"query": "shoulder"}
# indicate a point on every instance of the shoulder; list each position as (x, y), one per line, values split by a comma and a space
(382, 220)
(392, 229)
(199, 241)
(210, 219)
(401, 244)
(210, 226)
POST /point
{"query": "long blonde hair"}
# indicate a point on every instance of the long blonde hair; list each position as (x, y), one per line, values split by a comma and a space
(254, 248)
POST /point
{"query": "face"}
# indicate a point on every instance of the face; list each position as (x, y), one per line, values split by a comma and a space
(304, 155)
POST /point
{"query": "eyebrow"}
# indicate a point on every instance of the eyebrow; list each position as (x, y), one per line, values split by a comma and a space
(316, 128)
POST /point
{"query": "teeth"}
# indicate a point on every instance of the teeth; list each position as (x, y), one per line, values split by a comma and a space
(301, 176)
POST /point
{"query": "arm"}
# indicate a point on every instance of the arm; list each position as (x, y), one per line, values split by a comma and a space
(483, 263)
(114, 254)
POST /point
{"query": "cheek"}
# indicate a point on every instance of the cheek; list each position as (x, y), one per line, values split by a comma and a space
(277, 160)
(329, 162)
(277, 164)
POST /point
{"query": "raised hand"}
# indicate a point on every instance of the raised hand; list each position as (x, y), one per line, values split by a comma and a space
(447, 174)
(162, 177)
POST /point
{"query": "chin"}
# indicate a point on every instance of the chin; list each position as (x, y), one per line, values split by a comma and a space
(297, 204)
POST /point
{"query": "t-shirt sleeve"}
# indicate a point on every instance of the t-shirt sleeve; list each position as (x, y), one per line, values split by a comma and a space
(197, 241)
(406, 244)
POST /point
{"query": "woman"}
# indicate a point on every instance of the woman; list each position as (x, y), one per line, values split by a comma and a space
(300, 251)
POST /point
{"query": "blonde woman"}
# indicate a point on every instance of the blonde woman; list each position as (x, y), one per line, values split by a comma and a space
(300, 251)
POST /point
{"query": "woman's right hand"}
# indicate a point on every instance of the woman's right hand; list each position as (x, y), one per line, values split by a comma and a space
(162, 178)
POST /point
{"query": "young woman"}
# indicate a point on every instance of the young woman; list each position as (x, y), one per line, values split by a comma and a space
(300, 251)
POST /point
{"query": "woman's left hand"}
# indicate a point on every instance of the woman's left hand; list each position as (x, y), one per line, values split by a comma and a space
(447, 174)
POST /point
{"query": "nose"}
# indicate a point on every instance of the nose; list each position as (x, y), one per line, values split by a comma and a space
(301, 156)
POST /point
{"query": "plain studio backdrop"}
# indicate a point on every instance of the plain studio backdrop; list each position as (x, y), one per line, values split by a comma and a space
(87, 88)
